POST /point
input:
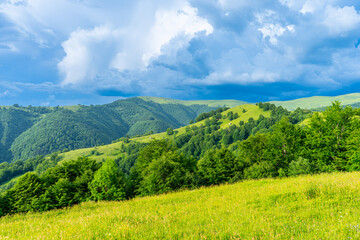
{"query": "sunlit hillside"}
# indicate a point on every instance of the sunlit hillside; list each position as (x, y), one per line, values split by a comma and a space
(318, 101)
(112, 151)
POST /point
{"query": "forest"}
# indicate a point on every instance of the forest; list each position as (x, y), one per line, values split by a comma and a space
(26, 132)
(205, 155)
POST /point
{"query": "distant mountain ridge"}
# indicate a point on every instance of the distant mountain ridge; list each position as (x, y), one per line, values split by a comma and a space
(211, 103)
(314, 102)
(29, 131)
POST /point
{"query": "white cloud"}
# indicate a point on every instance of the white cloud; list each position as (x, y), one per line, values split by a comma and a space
(169, 24)
(341, 20)
(88, 52)
(311, 6)
(153, 47)
(8, 46)
(273, 31)
(92, 52)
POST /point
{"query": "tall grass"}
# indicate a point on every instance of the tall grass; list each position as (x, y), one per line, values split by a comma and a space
(310, 207)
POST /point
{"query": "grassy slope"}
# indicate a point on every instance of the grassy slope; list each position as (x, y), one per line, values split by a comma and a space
(318, 101)
(111, 151)
(210, 103)
(310, 207)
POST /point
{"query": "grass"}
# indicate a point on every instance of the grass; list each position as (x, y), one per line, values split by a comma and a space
(318, 101)
(110, 151)
(323, 206)
(252, 111)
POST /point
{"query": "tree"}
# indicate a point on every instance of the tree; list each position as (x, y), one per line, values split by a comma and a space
(218, 166)
(169, 131)
(25, 192)
(164, 174)
(108, 183)
(326, 139)
(285, 144)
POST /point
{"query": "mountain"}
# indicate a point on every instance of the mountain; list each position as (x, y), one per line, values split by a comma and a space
(319, 101)
(111, 151)
(209, 103)
(29, 131)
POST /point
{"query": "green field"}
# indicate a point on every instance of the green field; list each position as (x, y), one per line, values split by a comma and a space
(318, 101)
(323, 206)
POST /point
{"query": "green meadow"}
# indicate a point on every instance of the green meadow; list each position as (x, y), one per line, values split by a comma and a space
(322, 206)
(318, 101)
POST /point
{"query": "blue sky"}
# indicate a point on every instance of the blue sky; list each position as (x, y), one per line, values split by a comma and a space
(63, 52)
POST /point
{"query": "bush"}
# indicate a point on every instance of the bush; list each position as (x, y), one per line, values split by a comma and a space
(299, 166)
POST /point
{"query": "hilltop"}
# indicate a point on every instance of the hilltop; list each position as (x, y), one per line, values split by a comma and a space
(352, 99)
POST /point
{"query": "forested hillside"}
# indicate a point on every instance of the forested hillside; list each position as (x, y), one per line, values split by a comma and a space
(30, 131)
(187, 158)
(13, 122)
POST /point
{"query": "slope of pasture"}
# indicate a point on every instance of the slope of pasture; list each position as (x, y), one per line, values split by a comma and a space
(318, 101)
(252, 111)
(109, 151)
(308, 207)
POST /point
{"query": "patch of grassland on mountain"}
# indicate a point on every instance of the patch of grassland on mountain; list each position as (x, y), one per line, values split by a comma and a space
(110, 151)
(318, 101)
(252, 111)
(323, 206)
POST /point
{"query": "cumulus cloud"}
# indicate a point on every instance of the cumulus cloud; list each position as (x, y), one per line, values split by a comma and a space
(340, 20)
(171, 48)
(92, 52)
(272, 31)
(88, 52)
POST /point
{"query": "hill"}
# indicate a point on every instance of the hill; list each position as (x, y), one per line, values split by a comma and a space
(112, 151)
(319, 101)
(309, 207)
(29, 131)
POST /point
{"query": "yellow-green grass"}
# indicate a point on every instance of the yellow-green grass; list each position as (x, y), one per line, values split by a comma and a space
(252, 111)
(324, 206)
(110, 151)
(73, 108)
(210, 103)
(318, 101)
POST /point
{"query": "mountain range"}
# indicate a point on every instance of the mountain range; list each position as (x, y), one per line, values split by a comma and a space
(30, 131)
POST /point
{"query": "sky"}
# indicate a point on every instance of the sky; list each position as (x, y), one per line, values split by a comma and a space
(64, 52)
